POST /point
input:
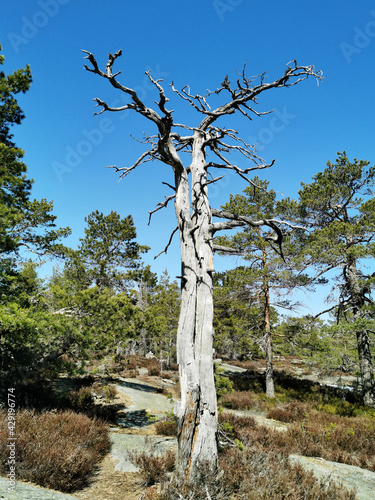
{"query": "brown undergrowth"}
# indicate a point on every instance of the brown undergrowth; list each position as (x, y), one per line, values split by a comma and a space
(340, 439)
(251, 474)
(154, 468)
(256, 469)
(128, 366)
(242, 400)
(57, 450)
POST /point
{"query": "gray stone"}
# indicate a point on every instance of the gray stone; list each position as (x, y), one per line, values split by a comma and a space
(361, 480)
(233, 368)
(27, 492)
(142, 371)
(146, 403)
(122, 444)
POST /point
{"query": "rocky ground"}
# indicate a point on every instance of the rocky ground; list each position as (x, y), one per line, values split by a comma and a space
(118, 479)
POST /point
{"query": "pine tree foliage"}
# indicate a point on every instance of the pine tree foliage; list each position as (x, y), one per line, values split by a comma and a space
(27, 330)
(109, 251)
(269, 251)
(339, 208)
(95, 285)
(238, 315)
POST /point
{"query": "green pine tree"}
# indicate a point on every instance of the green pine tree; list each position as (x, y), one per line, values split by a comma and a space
(339, 208)
(95, 286)
(272, 272)
(27, 330)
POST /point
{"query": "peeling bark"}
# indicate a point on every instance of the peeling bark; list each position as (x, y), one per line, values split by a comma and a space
(197, 411)
(270, 390)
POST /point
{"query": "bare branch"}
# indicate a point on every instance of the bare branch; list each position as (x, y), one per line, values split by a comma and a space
(163, 99)
(246, 91)
(236, 220)
(324, 312)
(161, 205)
(244, 220)
(145, 157)
(241, 172)
(172, 187)
(212, 181)
(221, 248)
(166, 148)
(168, 244)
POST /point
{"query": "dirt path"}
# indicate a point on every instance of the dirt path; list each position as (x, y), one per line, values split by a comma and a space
(146, 403)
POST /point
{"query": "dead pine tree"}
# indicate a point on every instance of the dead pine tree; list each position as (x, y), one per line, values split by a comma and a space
(197, 411)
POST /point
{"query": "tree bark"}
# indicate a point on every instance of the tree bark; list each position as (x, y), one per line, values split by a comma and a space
(197, 412)
(270, 390)
(363, 340)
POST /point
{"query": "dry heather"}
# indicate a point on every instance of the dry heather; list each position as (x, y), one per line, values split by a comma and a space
(340, 439)
(55, 450)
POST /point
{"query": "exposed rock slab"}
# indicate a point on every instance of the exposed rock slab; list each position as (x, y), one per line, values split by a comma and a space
(25, 491)
(361, 480)
(122, 444)
(145, 401)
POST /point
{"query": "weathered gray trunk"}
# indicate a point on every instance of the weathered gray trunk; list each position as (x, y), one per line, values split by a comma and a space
(270, 390)
(197, 412)
(363, 340)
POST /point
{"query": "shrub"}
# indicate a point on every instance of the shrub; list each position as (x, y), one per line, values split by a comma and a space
(31, 393)
(153, 468)
(129, 373)
(248, 381)
(133, 361)
(108, 392)
(232, 426)
(253, 474)
(223, 384)
(82, 401)
(242, 400)
(55, 450)
(154, 370)
(85, 381)
(167, 426)
(340, 439)
(282, 415)
(292, 412)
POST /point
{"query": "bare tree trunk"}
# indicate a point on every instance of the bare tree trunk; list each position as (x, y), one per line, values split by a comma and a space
(197, 412)
(270, 390)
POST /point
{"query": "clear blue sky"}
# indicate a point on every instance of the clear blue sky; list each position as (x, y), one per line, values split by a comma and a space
(195, 43)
